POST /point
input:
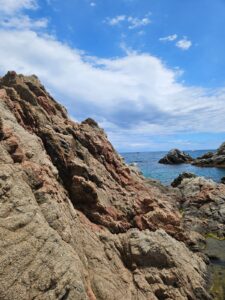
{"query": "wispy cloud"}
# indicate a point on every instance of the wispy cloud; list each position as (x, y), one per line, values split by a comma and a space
(130, 21)
(116, 20)
(184, 43)
(13, 15)
(92, 4)
(169, 38)
(135, 22)
(138, 94)
(23, 22)
(13, 6)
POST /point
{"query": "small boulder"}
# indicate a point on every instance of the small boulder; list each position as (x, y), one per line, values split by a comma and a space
(177, 181)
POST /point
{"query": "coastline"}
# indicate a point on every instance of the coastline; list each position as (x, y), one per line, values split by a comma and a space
(82, 216)
(214, 245)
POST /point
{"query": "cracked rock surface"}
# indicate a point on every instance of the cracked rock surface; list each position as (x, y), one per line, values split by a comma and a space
(75, 221)
(203, 204)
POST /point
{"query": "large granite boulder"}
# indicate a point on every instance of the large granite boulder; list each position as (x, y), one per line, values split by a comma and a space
(202, 204)
(75, 221)
(175, 156)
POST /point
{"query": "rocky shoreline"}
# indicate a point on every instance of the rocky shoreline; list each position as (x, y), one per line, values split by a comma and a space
(78, 223)
(210, 159)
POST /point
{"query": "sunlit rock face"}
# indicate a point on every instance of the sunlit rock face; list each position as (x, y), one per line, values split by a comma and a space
(75, 221)
(202, 204)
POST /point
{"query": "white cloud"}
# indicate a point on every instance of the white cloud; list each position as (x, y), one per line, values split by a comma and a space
(169, 38)
(184, 43)
(12, 15)
(116, 20)
(127, 50)
(137, 94)
(13, 6)
(92, 4)
(136, 97)
(132, 22)
(135, 22)
(23, 22)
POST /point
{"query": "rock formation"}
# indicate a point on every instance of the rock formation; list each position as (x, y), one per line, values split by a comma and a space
(177, 181)
(211, 159)
(175, 156)
(202, 204)
(75, 221)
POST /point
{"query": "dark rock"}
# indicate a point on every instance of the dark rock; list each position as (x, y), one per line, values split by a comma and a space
(221, 150)
(223, 180)
(1, 130)
(175, 156)
(177, 181)
(206, 155)
(91, 122)
(210, 159)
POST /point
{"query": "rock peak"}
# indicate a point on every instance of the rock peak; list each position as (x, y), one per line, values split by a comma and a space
(175, 156)
(91, 122)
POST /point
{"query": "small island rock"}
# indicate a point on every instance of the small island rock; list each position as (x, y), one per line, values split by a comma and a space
(175, 156)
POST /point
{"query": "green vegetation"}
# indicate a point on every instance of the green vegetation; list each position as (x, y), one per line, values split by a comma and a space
(218, 283)
(181, 210)
(214, 236)
(215, 248)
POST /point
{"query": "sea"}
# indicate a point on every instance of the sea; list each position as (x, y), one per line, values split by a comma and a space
(148, 164)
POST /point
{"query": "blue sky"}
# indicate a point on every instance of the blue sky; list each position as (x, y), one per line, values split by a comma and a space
(151, 72)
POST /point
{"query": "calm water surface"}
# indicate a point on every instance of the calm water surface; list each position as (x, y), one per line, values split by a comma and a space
(148, 164)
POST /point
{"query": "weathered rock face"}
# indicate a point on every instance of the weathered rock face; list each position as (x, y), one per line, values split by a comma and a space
(75, 221)
(203, 205)
(210, 159)
(175, 156)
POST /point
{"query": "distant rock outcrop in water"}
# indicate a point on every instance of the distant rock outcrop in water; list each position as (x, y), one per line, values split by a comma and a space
(175, 156)
(76, 223)
(210, 159)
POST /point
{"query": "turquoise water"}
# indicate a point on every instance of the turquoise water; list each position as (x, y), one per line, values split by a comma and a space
(148, 164)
